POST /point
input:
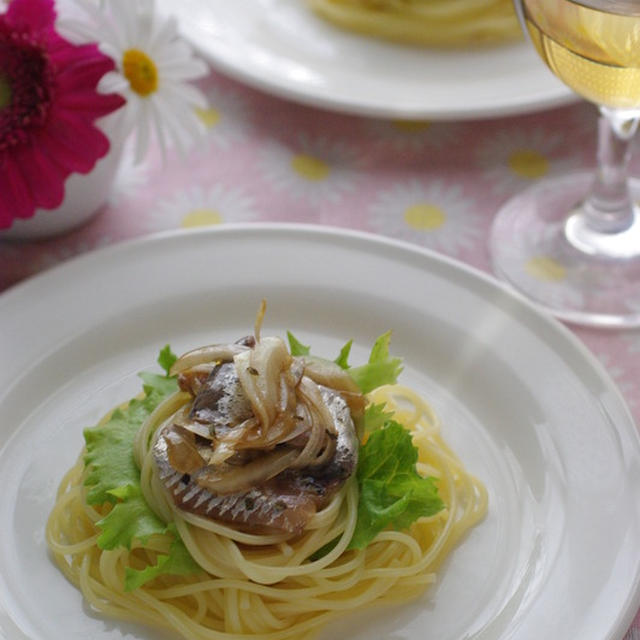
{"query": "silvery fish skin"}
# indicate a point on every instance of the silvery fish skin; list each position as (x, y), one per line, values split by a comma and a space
(285, 502)
(221, 403)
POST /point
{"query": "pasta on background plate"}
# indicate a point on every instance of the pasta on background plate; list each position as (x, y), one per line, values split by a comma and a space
(425, 22)
(258, 491)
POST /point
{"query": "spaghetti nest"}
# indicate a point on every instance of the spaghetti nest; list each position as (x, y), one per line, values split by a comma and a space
(425, 22)
(266, 587)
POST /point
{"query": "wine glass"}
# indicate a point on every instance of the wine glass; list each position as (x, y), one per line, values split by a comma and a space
(572, 244)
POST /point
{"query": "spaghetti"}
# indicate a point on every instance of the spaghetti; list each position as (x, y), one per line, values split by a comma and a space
(425, 22)
(266, 587)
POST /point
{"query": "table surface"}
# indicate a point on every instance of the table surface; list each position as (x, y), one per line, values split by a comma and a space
(266, 159)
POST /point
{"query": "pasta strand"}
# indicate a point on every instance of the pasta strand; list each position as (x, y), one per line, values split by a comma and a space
(272, 590)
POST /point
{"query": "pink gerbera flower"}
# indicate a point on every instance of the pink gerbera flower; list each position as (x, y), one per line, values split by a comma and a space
(48, 108)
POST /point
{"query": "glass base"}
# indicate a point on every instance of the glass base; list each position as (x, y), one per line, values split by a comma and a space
(543, 249)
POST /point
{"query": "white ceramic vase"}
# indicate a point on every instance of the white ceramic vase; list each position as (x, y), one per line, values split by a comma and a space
(84, 196)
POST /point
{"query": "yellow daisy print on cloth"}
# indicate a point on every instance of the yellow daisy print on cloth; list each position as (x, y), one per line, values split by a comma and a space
(435, 215)
(513, 159)
(226, 118)
(412, 135)
(315, 170)
(541, 273)
(203, 207)
(545, 269)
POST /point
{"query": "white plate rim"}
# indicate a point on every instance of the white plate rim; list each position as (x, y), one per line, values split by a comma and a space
(36, 285)
(243, 68)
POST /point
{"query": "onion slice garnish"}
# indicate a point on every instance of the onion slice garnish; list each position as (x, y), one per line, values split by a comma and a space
(209, 354)
(221, 480)
(258, 411)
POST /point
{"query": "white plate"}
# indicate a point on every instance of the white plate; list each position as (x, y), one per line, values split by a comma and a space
(281, 47)
(524, 404)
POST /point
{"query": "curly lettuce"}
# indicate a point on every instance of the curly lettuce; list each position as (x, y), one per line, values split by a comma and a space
(112, 476)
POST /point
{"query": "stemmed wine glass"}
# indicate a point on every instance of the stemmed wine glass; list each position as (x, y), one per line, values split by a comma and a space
(572, 244)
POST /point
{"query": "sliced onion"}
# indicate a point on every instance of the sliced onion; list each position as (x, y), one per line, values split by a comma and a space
(181, 450)
(191, 380)
(259, 373)
(233, 479)
(329, 374)
(210, 353)
(321, 421)
(181, 418)
(287, 406)
(227, 446)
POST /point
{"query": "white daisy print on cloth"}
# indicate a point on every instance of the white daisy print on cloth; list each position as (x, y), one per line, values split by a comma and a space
(315, 170)
(412, 135)
(515, 158)
(225, 117)
(201, 207)
(436, 215)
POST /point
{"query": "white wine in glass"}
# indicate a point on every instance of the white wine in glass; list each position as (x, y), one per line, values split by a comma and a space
(572, 244)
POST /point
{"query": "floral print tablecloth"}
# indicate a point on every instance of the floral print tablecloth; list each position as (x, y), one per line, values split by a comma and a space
(436, 184)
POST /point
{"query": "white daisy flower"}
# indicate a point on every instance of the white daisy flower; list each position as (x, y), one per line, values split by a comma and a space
(412, 135)
(225, 118)
(315, 170)
(436, 215)
(514, 158)
(154, 68)
(198, 207)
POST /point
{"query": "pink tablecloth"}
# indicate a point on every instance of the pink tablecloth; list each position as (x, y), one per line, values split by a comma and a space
(263, 159)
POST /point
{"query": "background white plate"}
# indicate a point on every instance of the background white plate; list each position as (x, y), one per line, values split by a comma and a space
(280, 46)
(524, 404)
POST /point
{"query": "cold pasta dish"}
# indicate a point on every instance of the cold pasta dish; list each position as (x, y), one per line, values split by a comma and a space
(255, 490)
(450, 23)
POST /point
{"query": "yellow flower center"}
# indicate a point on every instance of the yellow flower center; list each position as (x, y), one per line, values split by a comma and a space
(209, 117)
(545, 269)
(141, 72)
(309, 167)
(411, 126)
(201, 218)
(424, 217)
(528, 163)
(5, 92)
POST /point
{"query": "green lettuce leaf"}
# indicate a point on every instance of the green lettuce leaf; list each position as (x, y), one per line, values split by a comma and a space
(376, 417)
(166, 358)
(296, 347)
(109, 457)
(343, 356)
(392, 492)
(178, 562)
(131, 518)
(381, 368)
(113, 476)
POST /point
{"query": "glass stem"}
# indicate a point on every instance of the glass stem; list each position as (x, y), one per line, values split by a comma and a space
(609, 209)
